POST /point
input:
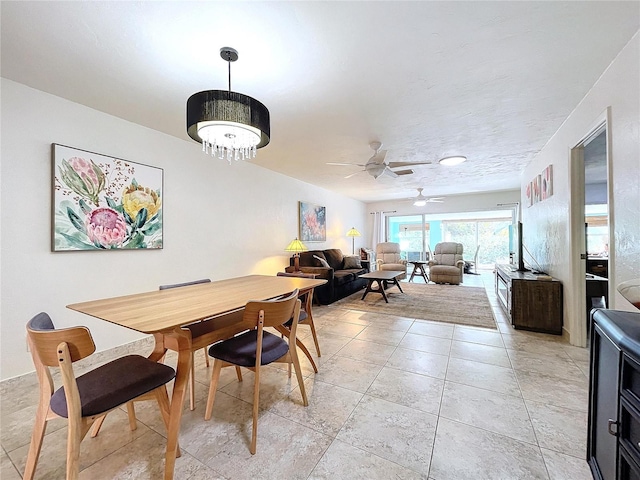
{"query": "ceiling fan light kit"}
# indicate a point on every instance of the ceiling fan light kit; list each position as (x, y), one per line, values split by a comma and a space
(229, 125)
(421, 200)
(453, 160)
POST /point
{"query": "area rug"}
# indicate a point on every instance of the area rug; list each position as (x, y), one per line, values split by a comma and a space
(440, 303)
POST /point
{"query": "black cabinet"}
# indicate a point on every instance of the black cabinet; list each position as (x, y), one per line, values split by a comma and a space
(613, 447)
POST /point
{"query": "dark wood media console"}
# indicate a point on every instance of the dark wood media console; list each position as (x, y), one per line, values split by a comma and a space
(530, 304)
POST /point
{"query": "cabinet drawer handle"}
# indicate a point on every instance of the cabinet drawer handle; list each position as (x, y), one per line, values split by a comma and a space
(610, 424)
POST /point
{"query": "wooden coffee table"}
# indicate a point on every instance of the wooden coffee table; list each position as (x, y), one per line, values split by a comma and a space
(382, 277)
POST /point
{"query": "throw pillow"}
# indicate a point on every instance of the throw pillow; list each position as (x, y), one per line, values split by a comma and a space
(322, 261)
(352, 261)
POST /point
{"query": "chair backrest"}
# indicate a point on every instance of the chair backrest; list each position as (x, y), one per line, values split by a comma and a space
(44, 339)
(448, 253)
(388, 252)
(185, 284)
(276, 312)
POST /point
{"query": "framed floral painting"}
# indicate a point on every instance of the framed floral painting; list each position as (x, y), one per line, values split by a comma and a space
(104, 203)
(313, 223)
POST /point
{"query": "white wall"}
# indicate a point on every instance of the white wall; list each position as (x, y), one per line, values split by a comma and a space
(220, 220)
(546, 224)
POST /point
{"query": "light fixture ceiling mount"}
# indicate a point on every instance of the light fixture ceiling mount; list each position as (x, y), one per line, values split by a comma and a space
(228, 124)
(453, 160)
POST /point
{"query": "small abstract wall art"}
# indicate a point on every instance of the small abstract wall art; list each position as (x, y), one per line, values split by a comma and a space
(541, 187)
(313, 223)
(547, 182)
(104, 203)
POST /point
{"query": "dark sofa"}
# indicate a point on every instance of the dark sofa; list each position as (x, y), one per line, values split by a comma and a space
(341, 282)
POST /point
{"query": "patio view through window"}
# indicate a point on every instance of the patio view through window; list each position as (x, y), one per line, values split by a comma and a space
(419, 234)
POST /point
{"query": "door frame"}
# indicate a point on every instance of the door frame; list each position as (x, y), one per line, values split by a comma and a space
(578, 330)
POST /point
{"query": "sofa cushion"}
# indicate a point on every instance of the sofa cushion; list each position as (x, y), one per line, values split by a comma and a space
(334, 258)
(343, 276)
(322, 261)
(307, 260)
(352, 261)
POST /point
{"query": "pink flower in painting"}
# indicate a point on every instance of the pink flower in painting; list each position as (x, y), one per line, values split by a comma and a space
(83, 177)
(106, 227)
(312, 223)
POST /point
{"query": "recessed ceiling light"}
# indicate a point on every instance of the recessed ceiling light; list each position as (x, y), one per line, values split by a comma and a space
(455, 160)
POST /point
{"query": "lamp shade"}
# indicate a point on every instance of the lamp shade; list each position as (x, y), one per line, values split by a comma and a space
(228, 124)
(353, 232)
(222, 117)
(296, 246)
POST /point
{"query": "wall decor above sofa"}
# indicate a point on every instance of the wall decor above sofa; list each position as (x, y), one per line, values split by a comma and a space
(104, 203)
(313, 222)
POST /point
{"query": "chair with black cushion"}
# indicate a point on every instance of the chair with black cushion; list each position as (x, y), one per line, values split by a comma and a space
(89, 397)
(199, 330)
(257, 347)
(306, 316)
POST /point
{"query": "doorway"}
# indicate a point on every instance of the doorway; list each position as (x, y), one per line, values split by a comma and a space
(592, 255)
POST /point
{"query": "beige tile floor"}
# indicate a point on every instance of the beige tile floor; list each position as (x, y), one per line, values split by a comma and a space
(394, 398)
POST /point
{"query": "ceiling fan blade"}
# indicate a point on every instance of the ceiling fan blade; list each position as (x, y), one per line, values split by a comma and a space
(346, 164)
(353, 174)
(378, 157)
(436, 200)
(403, 172)
(406, 164)
(388, 172)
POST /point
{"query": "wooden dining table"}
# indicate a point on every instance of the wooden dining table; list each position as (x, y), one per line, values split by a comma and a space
(163, 313)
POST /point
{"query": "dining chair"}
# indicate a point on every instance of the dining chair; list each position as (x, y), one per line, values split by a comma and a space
(90, 396)
(257, 347)
(198, 334)
(306, 315)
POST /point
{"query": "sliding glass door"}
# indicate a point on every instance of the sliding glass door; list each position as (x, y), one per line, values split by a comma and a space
(484, 233)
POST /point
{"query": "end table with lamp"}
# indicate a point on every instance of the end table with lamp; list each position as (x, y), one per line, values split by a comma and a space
(296, 246)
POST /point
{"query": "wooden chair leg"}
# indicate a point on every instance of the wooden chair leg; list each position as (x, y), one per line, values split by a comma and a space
(305, 350)
(206, 356)
(239, 374)
(74, 438)
(256, 404)
(165, 407)
(131, 413)
(95, 429)
(296, 366)
(39, 427)
(315, 338)
(192, 384)
(213, 386)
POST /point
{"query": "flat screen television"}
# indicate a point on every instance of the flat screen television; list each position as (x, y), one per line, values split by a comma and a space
(516, 247)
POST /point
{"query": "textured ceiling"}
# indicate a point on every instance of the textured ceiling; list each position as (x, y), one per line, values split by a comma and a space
(489, 80)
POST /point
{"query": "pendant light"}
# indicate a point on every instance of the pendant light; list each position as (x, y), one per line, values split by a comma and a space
(228, 124)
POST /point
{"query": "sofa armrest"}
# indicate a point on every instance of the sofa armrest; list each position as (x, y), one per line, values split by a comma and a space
(321, 272)
(433, 262)
(460, 264)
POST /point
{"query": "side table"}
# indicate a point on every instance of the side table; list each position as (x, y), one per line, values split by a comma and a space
(418, 269)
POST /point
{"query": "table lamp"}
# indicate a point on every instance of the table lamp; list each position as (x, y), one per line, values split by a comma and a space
(353, 233)
(296, 246)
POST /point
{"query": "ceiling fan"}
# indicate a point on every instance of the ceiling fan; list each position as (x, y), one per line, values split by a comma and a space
(376, 166)
(421, 200)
